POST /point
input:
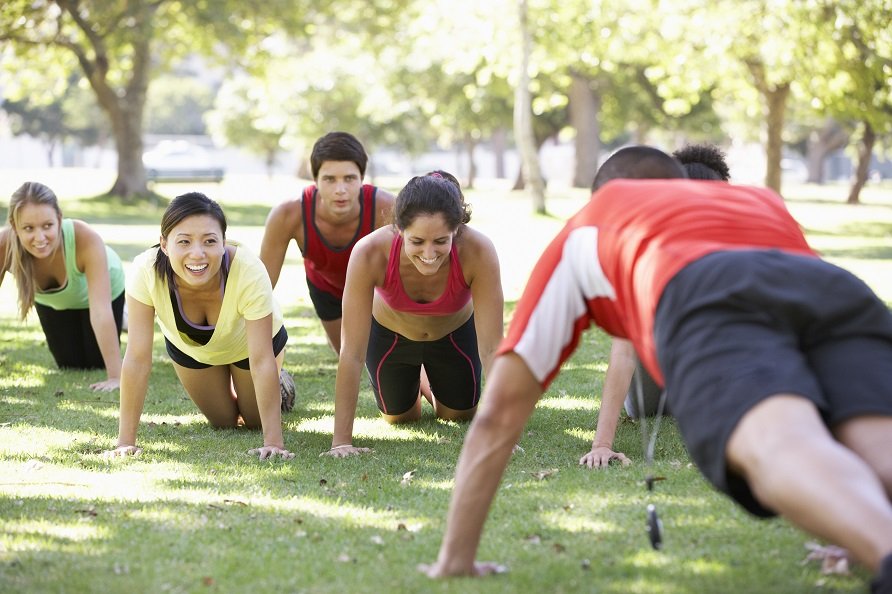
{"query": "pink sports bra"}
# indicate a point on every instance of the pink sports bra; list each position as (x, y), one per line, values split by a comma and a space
(455, 297)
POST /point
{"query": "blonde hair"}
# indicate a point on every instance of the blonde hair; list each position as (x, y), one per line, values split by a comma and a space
(18, 261)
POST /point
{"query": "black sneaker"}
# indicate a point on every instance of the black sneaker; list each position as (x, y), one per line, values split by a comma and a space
(882, 583)
(287, 390)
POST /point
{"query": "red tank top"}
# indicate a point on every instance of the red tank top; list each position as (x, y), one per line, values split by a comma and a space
(325, 265)
(455, 297)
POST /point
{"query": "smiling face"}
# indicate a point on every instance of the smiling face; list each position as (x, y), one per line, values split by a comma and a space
(427, 242)
(195, 249)
(38, 229)
(338, 183)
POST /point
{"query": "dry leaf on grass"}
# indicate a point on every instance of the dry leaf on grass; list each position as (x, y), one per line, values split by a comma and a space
(407, 477)
(834, 559)
(541, 475)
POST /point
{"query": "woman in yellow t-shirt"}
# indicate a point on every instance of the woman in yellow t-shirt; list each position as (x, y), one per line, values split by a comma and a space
(222, 328)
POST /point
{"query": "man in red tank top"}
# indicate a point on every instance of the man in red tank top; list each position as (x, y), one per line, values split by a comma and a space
(777, 364)
(326, 221)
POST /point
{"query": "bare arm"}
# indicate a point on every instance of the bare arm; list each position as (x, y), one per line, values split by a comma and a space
(355, 329)
(489, 302)
(265, 375)
(383, 208)
(620, 368)
(4, 237)
(282, 225)
(508, 401)
(93, 260)
(134, 374)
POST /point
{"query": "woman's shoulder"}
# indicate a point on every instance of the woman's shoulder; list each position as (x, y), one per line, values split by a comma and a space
(473, 242)
(378, 240)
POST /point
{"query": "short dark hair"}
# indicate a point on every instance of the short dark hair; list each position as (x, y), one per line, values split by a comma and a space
(703, 161)
(437, 192)
(338, 146)
(638, 162)
(179, 209)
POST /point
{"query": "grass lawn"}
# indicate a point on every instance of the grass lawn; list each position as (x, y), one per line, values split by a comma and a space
(195, 513)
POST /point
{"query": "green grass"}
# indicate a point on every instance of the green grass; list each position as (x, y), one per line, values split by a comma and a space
(195, 513)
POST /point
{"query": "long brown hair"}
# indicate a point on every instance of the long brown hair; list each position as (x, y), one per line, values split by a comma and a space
(18, 261)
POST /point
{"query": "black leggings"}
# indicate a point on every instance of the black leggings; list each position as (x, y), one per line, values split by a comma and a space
(452, 364)
(69, 335)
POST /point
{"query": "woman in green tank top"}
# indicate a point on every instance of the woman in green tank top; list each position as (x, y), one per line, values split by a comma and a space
(75, 282)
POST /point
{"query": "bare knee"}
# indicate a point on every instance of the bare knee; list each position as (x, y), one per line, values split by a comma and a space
(870, 438)
(223, 423)
(410, 416)
(450, 414)
(780, 424)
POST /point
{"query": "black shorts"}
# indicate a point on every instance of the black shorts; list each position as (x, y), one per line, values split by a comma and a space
(327, 306)
(184, 360)
(452, 364)
(736, 327)
(69, 334)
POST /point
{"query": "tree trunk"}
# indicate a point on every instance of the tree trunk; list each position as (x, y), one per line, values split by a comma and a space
(865, 152)
(518, 180)
(585, 105)
(50, 149)
(776, 103)
(125, 105)
(470, 146)
(498, 149)
(821, 142)
(127, 130)
(523, 117)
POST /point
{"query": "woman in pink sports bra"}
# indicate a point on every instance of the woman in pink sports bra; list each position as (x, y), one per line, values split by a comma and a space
(425, 291)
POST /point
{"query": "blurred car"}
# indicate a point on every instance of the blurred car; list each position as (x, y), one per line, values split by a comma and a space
(180, 161)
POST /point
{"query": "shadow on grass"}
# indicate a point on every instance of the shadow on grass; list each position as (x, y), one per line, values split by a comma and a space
(113, 210)
(196, 511)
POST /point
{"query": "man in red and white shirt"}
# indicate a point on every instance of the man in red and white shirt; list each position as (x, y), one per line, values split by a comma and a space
(778, 365)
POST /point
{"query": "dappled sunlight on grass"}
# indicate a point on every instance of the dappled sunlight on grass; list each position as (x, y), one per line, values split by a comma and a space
(35, 479)
(574, 523)
(24, 375)
(585, 435)
(41, 440)
(36, 535)
(438, 485)
(564, 402)
(377, 429)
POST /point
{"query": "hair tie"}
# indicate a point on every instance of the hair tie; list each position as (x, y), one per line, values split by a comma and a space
(436, 174)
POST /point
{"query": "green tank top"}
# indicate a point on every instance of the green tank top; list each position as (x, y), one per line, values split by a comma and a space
(74, 294)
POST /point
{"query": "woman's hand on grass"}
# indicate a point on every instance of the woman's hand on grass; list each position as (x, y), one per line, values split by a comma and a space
(480, 568)
(270, 452)
(108, 385)
(122, 451)
(347, 449)
(601, 456)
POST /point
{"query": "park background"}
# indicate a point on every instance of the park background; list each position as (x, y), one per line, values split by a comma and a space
(522, 100)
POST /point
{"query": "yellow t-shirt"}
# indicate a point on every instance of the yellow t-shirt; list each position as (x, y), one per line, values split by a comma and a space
(248, 295)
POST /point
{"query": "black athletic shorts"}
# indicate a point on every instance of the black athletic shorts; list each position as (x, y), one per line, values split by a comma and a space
(69, 334)
(184, 360)
(452, 364)
(327, 306)
(736, 327)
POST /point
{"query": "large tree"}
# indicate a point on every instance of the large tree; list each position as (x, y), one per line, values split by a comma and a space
(120, 44)
(852, 80)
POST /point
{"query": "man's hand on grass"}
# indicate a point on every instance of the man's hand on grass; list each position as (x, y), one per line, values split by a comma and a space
(601, 456)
